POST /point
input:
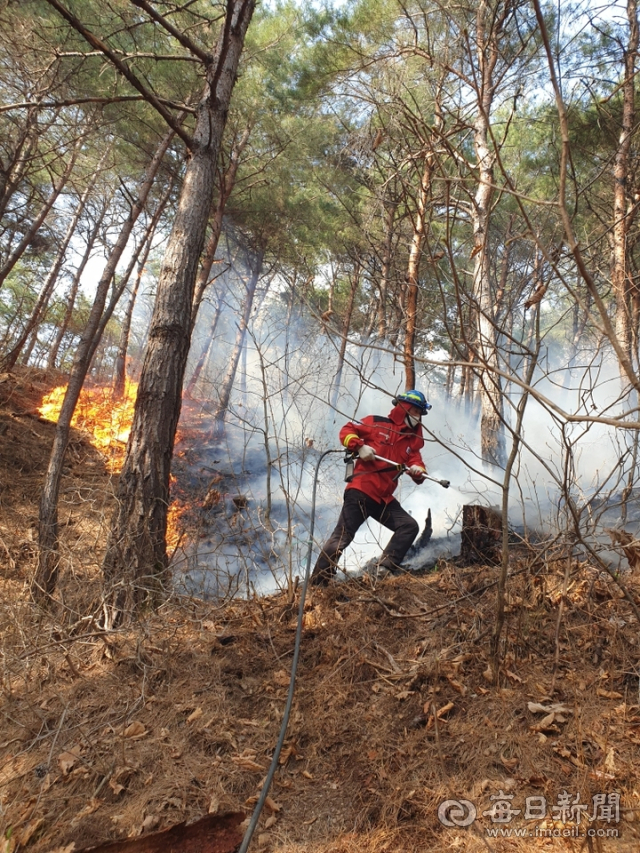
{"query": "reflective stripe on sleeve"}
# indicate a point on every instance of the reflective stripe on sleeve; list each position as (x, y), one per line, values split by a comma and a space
(348, 438)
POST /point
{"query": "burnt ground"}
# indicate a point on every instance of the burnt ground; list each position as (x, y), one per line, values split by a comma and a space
(109, 736)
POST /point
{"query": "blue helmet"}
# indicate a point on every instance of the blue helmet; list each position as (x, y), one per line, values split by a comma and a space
(414, 398)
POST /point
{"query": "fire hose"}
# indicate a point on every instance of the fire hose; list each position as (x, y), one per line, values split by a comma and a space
(294, 666)
(255, 817)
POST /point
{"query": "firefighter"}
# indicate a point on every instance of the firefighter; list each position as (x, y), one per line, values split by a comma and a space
(369, 494)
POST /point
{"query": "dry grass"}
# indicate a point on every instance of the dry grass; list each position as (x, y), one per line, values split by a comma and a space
(105, 736)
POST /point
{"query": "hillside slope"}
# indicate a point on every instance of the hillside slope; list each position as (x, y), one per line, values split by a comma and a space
(110, 735)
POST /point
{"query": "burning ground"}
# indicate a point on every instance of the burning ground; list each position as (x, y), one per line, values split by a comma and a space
(107, 736)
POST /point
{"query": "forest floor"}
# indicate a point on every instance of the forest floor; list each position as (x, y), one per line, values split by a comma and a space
(111, 735)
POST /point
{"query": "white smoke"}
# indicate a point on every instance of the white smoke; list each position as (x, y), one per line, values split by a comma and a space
(281, 399)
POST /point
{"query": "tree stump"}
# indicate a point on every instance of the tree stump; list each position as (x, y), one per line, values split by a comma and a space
(481, 535)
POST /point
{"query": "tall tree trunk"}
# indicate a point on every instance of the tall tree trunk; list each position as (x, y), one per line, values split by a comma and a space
(346, 325)
(73, 290)
(50, 282)
(226, 187)
(413, 273)
(136, 558)
(207, 345)
(30, 346)
(623, 204)
(120, 365)
(22, 246)
(328, 314)
(118, 290)
(46, 577)
(226, 386)
(395, 323)
(486, 344)
(623, 281)
(417, 242)
(385, 272)
(120, 369)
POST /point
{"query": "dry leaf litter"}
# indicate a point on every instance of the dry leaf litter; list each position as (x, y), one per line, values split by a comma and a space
(108, 736)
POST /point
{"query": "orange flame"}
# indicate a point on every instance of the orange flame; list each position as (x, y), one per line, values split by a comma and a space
(175, 531)
(106, 418)
(108, 421)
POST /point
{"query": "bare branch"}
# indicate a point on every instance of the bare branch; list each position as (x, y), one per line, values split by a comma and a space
(124, 70)
(191, 46)
(160, 57)
(116, 99)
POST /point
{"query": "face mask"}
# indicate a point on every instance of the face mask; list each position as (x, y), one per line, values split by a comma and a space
(412, 422)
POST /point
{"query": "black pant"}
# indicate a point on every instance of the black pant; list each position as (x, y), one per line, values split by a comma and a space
(356, 509)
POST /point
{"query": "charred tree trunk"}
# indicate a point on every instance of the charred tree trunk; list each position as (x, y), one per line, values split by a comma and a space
(46, 577)
(481, 535)
(136, 559)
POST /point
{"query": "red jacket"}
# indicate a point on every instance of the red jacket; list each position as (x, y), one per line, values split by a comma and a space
(389, 437)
